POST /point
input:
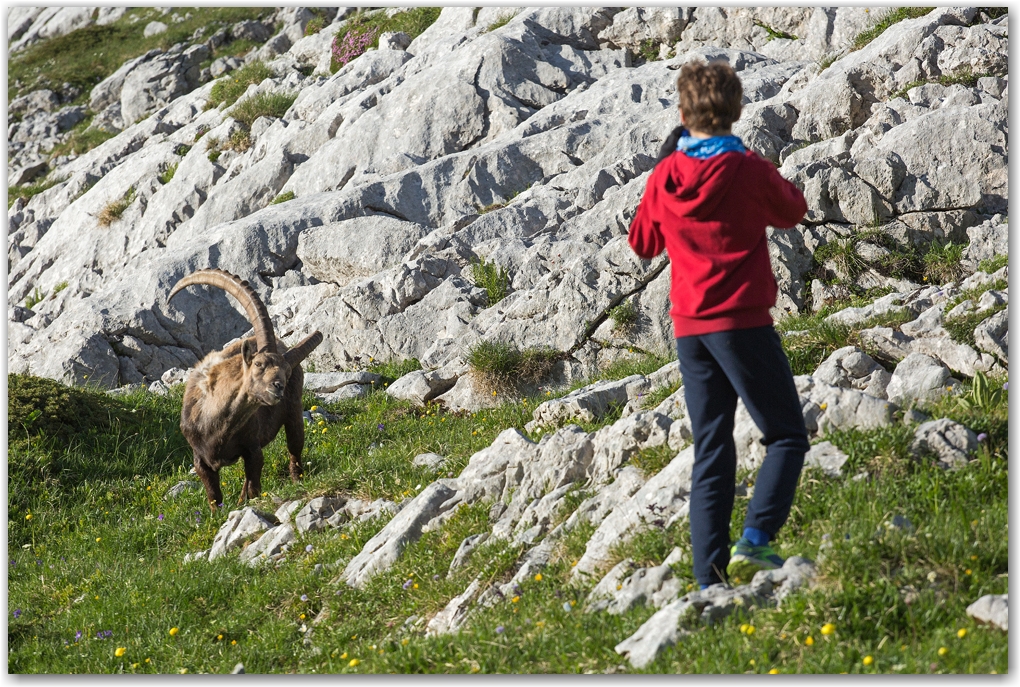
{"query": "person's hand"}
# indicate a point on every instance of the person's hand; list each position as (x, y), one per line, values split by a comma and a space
(669, 145)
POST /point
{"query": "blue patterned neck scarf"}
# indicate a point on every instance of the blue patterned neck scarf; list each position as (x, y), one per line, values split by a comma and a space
(704, 148)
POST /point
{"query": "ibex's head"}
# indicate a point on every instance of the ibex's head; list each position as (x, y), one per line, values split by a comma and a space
(266, 371)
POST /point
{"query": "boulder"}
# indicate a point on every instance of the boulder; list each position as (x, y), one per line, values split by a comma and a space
(918, 377)
(991, 609)
(240, 526)
(949, 442)
(826, 458)
(316, 512)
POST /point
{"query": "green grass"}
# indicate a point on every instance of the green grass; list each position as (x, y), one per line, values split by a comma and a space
(168, 173)
(500, 22)
(942, 262)
(92, 470)
(88, 55)
(60, 287)
(893, 17)
(82, 139)
(774, 33)
(314, 25)
(992, 265)
(491, 277)
(27, 191)
(501, 367)
(820, 338)
(624, 316)
(229, 88)
(283, 198)
(35, 298)
(961, 329)
(262, 105)
(964, 77)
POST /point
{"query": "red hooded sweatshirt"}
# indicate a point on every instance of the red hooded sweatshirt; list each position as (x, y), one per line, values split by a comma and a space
(710, 217)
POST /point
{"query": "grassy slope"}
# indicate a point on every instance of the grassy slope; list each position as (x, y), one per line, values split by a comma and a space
(95, 557)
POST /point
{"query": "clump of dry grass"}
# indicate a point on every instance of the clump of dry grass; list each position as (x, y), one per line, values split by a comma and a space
(115, 208)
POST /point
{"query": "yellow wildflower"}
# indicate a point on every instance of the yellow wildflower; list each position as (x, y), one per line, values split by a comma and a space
(28, 517)
(515, 599)
(120, 651)
(943, 651)
(809, 641)
(354, 662)
(774, 671)
(343, 656)
(538, 577)
(868, 660)
(174, 631)
(405, 641)
(828, 629)
(961, 633)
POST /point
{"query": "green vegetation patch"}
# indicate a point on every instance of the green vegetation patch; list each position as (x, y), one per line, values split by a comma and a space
(500, 22)
(283, 198)
(774, 33)
(86, 56)
(112, 211)
(229, 88)
(361, 31)
(893, 17)
(492, 277)
(168, 173)
(810, 339)
(992, 265)
(262, 105)
(501, 367)
(82, 139)
(942, 262)
(624, 316)
(28, 191)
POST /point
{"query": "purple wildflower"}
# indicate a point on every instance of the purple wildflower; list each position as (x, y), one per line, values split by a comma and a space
(380, 426)
(17, 612)
(160, 518)
(309, 548)
(353, 45)
(77, 635)
(14, 563)
(1005, 386)
(38, 561)
(500, 629)
(982, 436)
(304, 597)
(407, 585)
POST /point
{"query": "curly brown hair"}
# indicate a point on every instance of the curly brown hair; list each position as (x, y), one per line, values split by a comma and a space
(710, 95)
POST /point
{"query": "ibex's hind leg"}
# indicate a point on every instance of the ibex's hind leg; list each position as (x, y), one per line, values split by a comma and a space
(211, 481)
(295, 428)
(252, 486)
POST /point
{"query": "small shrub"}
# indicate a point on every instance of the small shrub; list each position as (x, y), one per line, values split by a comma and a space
(361, 32)
(262, 105)
(624, 316)
(44, 407)
(502, 367)
(314, 25)
(283, 198)
(168, 174)
(649, 50)
(995, 264)
(491, 277)
(894, 17)
(350, 43)
(942, 262)
(214, 155)
(229, 88)
(183, 149)
(201, 131)
(35, 298)
(114, 209)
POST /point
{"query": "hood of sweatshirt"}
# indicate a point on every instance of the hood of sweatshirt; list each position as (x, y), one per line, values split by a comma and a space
(695, 187)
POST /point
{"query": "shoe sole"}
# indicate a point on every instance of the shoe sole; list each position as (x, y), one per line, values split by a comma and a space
(742, 568)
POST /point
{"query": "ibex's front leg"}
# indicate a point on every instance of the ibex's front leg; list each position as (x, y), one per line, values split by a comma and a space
(253, 461)
(294, 425)
(211, 480)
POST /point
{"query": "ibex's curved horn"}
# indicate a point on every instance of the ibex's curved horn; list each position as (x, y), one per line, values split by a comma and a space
(295, 355)
(246, 296)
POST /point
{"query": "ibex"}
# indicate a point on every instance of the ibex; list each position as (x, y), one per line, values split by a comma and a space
(237, 399)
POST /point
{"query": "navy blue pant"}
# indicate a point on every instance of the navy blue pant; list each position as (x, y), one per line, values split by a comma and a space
(718, 368)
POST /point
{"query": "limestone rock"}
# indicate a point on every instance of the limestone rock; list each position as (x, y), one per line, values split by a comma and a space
(851, 368)
(991, 609)
(465, 550)
(240, 526)
(181, 487)
(826, 458)
(328, 382)
(453, 614)
(287, 510)
(619, 442)
(918, 376)
(315, 513)
(269, 544)
(432, 461)
(950, 442)
(585, 404)
(655, 586)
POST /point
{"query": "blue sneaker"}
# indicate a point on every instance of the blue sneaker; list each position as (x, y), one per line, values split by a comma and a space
(746, 559)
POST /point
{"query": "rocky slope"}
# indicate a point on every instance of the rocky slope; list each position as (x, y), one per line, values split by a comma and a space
(526, 145)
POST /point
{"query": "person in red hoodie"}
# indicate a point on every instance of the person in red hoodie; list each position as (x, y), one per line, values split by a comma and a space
(707, 204)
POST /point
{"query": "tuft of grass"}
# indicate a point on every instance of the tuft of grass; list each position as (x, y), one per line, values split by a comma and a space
(843, 254)
(961, 329)
(812, 339)
(942, 262)
(893, 17)
(649, 50)
(500, 22)
(183, 149)
(773, 33)
(983, 396)
(232, 86)
(28, 191)
(992, 265)
(115, 208)
(491, 277)
(624, 316)
(238, 141)
(283, 198)
(168, 174)
(314, 25)
(35, 298)
(502, 367)
(361, 31)
(60, 287)
(201, 131)
(262, 105)
(393, 370)
(965, 77)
